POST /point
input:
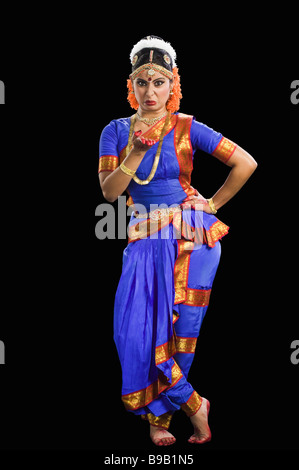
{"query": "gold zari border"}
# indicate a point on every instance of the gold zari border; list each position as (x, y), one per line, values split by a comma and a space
(181, 270)
(165, 351)
(135, 400)
(108, 163)
(162, 421)
(192, 405)
(147, 228)
(215, 232)
(183, 149)
(185, 345)
(224, 150)
(198, 297)
(155, 131)
(199, 235)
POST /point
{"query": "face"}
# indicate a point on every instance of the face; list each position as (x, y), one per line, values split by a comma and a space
(152, 92)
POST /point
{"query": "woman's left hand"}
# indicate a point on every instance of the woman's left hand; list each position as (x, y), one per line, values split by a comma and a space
(196, 201)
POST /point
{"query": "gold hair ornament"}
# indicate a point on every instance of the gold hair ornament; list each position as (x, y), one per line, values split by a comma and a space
(152, 68)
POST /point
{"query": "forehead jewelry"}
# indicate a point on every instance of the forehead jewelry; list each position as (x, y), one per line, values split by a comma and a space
(151, 72)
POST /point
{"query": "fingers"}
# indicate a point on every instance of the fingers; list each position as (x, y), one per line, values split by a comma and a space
(193, 201)
(197, 194)
(148, 142)
(144, 140)
(196, 198)
(196, 204)
(136, 135)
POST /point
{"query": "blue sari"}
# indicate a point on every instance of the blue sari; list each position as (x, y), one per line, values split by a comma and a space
(168, 268)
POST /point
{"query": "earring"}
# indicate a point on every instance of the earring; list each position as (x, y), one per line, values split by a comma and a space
(133, 92)
(171, 92)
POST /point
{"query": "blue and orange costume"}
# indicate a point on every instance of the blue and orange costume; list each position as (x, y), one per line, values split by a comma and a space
(168, 268)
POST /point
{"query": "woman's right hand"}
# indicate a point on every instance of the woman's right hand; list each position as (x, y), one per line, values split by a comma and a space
(142, 144)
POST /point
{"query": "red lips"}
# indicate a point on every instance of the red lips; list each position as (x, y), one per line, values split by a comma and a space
(150, 103)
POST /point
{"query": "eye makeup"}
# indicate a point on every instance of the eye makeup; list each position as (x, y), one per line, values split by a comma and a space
(158, 82)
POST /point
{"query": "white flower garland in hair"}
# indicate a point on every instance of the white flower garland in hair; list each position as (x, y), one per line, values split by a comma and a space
(155, 43)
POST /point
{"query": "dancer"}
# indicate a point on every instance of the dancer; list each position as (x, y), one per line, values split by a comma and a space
(173, 252)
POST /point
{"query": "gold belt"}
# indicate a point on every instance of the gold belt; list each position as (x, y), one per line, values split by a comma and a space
(158, 214)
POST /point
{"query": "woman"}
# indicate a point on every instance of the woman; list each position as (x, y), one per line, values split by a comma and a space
(173, 253)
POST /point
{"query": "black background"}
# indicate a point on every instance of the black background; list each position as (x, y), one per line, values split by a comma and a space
(65, 80)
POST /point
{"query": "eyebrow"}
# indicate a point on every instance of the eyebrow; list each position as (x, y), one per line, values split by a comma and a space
(156, 79)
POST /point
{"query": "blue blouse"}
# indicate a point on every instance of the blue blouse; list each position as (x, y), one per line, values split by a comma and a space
(168, 186)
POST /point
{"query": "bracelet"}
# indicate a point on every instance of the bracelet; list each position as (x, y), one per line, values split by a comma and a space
(212, 206)
(126, 170)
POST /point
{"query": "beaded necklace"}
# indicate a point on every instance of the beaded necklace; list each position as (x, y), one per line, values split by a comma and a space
(150, 121)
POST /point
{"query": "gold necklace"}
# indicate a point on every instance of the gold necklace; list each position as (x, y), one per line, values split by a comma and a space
(157, 156)
(150, 121)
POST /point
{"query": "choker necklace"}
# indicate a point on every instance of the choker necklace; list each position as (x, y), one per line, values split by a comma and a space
(148, 121)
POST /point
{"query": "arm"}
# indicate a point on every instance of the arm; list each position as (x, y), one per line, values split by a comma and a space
(114, 184)
(241, 163)
(242, 166)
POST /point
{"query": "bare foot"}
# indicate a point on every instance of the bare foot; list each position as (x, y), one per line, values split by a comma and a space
(202, 432)
(161, 437)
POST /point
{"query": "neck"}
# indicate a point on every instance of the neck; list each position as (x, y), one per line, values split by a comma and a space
(151, 114)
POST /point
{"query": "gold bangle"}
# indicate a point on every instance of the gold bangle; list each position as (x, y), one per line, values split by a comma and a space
(212, 206)
(126, 170)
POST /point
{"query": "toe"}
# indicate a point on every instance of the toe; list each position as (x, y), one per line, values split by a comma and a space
(167, 441)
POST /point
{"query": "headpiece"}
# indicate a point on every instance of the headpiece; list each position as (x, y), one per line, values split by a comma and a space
(154, 55)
